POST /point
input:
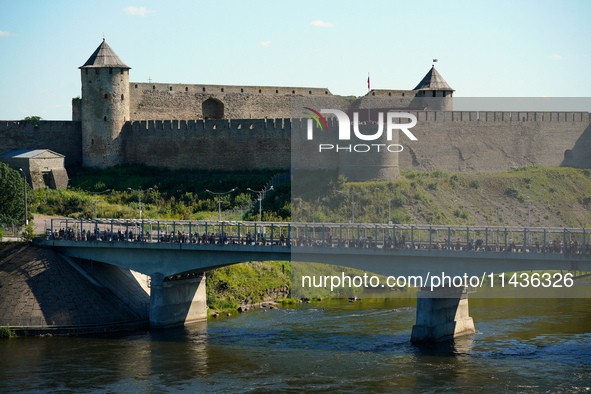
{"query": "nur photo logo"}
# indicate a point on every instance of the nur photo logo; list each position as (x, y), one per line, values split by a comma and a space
(344, 133)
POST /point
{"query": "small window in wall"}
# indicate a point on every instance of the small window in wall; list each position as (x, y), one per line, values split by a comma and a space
(105, 118)
(293, 92)
(325, 92)
(92, 141)
(241, 90)
(373, 93)
(434, 94)
(389, 93)
(568, 154)
(260, 91)
(204, 89)
(106, 96)
(121, 97)
(402, 94)
(110, 71)
(153, 87)
(186, 89)
(122, 70)
(222, 90)
(171, 88)
(276, 91)
(136, 86)
(310, 92)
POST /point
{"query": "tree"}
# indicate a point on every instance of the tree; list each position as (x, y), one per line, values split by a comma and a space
(33, 118)
(12, 209)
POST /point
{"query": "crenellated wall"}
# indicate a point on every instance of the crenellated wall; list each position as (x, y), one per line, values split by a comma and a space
(64, 137)
(210, 145)
(455, 141)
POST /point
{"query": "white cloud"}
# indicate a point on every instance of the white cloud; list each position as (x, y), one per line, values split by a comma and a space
(138, 11)
(6, 34)
(555, 57)
(319, 23)
(265, 43)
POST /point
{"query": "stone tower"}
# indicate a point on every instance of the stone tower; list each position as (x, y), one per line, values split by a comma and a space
(105, 107)
(435, 93)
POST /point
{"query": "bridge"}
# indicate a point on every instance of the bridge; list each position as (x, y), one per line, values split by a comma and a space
(164, 248)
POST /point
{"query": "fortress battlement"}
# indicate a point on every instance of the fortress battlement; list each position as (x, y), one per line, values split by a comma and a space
(40, 125)
(219, 127)
(212, 125)
(228, 89)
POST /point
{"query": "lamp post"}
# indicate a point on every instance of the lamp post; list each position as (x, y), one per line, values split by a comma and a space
(25, 186)
(95, 199)
(140, 191)
(389, 203)
(260, 198)
(529, 204)
(352, 197)
(219, 196)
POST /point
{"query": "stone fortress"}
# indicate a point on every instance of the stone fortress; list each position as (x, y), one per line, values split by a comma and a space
(221, 127)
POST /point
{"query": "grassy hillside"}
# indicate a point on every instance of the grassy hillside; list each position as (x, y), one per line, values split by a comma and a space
(559, 197)
(180, 194)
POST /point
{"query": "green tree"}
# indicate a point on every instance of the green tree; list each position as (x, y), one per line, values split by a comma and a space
(12, 209)
(33, 118)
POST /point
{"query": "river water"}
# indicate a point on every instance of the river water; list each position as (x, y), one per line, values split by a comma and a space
(527, 345)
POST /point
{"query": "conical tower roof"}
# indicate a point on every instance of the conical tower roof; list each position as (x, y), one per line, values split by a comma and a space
(433, 81)
(104, 56)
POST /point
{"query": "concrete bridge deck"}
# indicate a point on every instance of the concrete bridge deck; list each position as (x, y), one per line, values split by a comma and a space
(174, 247)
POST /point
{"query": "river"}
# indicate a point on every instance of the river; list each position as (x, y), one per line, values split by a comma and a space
(527, 345)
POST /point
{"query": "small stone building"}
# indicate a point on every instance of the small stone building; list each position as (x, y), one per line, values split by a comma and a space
(43, 167)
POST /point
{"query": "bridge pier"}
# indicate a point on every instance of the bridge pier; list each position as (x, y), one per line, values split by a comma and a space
(442, 314)
(177, 302)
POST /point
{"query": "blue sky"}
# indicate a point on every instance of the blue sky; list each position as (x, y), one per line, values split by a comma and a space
(485, 48)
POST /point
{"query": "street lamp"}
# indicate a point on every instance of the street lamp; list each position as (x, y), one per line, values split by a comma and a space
(220, 201)
(95, 199)
(529, 203)
(260, 198)
(25, 186)
(352, 197)
(140, 191)
(389, 202)
(498, 206)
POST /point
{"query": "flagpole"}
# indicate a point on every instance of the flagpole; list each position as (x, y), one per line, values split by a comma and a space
(368, 99)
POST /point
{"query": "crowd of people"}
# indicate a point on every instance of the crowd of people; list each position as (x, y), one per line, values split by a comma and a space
(387, 242)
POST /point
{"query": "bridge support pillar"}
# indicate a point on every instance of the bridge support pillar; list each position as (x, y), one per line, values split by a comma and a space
(442, 314)
(177, 302)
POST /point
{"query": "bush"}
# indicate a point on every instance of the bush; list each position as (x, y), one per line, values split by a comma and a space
(475, 184)
(433, 185)
(28, 233)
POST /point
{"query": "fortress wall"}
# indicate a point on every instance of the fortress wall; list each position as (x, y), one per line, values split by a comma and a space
(496, 141)
(210, 145)
(180, 101)
(64, 137)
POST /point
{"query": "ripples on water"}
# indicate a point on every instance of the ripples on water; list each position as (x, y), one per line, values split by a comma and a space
(521, 345)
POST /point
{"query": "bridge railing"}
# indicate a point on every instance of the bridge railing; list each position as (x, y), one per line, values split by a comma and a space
(342, 235)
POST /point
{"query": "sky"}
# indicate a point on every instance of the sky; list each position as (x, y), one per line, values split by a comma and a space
(484, 48)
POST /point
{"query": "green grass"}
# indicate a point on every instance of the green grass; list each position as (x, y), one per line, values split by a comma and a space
(559, 197)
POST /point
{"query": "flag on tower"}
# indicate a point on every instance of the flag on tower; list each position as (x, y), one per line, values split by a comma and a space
(368, 81)
(434, 60)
